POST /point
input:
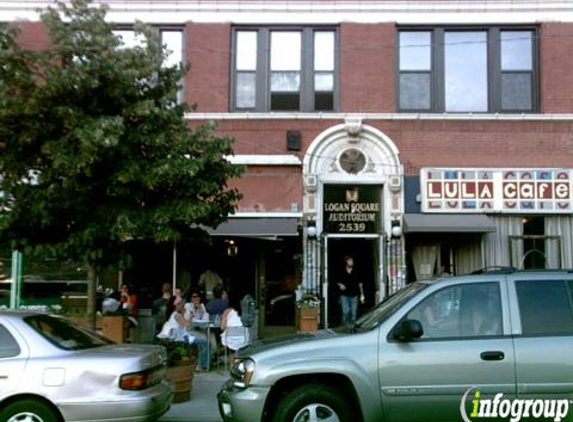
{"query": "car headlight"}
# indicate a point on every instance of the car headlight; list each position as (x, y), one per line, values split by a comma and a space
(242, 372)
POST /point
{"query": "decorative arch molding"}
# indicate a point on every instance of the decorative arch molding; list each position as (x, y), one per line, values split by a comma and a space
(382, 155)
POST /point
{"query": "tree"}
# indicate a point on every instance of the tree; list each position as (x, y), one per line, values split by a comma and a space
(94, 147)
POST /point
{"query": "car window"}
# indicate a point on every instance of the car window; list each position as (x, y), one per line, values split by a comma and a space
(388, 306)
(8, 345)
(467, 310)
(64, 334)
(545, 306)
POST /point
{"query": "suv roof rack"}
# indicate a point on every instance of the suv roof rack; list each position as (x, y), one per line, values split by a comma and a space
(495, 270)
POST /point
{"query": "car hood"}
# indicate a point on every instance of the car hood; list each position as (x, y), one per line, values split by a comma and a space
(290, 339)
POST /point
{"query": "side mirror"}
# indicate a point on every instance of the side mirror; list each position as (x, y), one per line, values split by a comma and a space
(407, 330)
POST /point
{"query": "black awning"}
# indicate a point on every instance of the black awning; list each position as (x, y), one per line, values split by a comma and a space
(448, 223)
(258, 227)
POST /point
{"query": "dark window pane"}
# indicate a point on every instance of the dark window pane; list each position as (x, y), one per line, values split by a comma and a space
(8, 345)
(245, 90)
(544, 307)
(415, 91)
(516, 91)
(323, 101)
(285, 101)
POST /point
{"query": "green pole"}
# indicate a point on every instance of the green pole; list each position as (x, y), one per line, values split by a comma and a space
(16, 279)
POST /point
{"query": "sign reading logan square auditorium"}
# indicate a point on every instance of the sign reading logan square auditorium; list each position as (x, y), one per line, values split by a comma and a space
(497, 190)
(351, 209)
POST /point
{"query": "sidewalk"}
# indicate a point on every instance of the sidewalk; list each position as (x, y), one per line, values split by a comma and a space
(203, 404)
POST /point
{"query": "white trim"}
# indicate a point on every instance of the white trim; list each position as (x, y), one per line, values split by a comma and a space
(316, 12)
(266, 214)
(381, 116)
(261, 160)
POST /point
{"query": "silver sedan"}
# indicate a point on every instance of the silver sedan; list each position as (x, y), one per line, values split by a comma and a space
(52, 370)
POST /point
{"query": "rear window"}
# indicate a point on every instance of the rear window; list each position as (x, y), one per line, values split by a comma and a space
(545, 307)
(8, 345)
(64, 334)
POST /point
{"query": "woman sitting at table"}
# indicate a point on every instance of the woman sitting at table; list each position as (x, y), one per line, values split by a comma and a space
(198, 316)
(177, 328)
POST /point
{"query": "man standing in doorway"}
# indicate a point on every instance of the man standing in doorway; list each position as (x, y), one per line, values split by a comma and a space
(350, 287)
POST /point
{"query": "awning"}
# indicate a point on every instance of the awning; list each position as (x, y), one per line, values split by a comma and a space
(449, 223)
(257, 227)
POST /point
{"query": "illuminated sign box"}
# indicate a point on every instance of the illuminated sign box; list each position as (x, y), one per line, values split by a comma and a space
(539, 191)
(350, 209)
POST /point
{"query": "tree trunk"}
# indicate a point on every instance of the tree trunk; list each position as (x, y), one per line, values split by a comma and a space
(92, 293)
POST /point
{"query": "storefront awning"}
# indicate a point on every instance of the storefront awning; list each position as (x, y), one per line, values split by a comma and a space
(257, 227)
(448, 223)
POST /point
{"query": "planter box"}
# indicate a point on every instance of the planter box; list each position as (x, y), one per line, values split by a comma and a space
(181, 374)
(308, 319)
(115, 327)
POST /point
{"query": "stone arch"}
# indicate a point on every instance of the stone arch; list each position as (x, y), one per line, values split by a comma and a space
(382, 155)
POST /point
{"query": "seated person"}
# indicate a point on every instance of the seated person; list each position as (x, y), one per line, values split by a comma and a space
(177, 328)
(219, 303)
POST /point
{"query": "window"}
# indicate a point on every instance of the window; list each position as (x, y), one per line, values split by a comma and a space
(172, 40)
(478, 70)
(8, 345)
(284, 69)
(469, 310)
(545, 307)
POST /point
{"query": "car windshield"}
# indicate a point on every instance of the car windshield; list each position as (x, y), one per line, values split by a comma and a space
(388, 306)
(65, 334)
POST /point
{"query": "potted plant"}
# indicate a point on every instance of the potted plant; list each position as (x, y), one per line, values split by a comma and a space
(181, 358)
(308, 313)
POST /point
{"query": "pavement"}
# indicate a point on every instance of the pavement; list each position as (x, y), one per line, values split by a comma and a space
(203, 404)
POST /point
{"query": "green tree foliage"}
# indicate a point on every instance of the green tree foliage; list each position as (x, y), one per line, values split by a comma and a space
(94, 148)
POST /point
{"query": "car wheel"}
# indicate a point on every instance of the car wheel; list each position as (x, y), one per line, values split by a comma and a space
(27, 411)
(315, 402)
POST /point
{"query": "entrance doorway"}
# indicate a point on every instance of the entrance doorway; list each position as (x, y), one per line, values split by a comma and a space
(366, 254)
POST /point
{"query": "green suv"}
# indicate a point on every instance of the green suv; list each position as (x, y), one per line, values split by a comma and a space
(498, 344)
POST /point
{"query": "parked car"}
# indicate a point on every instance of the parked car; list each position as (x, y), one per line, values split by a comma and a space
(428, 353)
(52, 370)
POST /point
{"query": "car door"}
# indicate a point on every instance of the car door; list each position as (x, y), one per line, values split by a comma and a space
(11, 362)
(544, 337)
(465, 347)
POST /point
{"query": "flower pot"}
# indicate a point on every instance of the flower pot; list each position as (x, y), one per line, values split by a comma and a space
(180, 372)
(115, 327)
(307, 319)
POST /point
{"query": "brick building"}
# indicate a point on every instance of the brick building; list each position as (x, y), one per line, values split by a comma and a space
(419, 136)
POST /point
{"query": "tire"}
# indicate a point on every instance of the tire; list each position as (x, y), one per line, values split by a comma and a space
(27, 411)
(316, 403)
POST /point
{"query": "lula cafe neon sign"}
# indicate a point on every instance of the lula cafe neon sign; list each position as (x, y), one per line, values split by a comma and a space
(497, 190)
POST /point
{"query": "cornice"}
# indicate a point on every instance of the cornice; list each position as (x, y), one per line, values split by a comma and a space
(326, 11)
(495, 117)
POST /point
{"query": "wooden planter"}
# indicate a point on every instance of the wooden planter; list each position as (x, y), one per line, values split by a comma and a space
(115, 327)
(308, 319)
(181, 374)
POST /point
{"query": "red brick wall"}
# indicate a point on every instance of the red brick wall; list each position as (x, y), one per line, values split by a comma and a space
(208, 49)
(33, 36)
(556, 45)
(367, 68)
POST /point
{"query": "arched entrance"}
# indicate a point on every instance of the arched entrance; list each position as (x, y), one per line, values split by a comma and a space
(353, 203)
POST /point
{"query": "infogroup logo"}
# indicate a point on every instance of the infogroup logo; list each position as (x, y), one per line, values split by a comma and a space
(512, 409)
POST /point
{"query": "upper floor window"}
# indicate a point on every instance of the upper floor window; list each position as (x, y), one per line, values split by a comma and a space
(478, 70)
(171, 38)
(284, 69)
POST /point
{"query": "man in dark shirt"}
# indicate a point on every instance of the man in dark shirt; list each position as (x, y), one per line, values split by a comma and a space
(350, 288)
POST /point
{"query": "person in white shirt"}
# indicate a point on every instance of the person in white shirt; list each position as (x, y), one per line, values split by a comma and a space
(177, 328)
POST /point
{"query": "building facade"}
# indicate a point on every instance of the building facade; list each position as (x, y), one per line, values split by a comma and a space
(419, 137)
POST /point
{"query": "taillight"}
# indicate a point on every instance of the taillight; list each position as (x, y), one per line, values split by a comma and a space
(142, 380)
